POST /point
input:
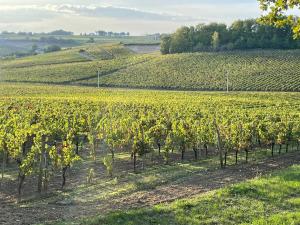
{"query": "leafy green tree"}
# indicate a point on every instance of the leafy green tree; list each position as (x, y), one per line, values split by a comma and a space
(203, 34)
(277, 14)
(165, 44)
(34, 48)
(181, 40)
(242, 34)
(52, 48)
(215, 41)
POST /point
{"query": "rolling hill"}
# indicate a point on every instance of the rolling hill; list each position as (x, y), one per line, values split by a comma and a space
(12, 43)
(258, 70)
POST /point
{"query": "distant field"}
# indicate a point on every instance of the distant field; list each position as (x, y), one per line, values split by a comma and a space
(70, 66)
(84, 39)
(66, 56)
(12, 46)
(70, 55)
(5, 50)
(23, 43)
(144, 48)
(120, 66)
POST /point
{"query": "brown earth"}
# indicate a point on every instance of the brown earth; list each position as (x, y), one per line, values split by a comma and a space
(196, 183)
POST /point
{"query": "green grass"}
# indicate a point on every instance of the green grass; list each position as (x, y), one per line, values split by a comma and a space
(267, 70)
(272, 200)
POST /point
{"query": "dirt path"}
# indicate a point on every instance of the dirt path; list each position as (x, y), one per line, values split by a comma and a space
(203, 182)
(190, 186)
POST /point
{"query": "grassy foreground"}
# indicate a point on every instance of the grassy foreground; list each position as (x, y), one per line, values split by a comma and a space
(273, 199)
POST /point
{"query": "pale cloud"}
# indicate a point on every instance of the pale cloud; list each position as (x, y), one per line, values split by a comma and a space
(222, 12)
(120, 13)
(92, 11)
(135, 16)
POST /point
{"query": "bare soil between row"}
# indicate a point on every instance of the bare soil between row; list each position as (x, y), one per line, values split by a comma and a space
(195, 184)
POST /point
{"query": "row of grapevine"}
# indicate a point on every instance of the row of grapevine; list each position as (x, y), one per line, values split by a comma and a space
(67, 73)
(248, 71)
(42, 134)
(64, 56)
(71, 55)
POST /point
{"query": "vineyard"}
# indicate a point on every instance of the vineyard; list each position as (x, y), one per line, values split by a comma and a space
(131, 141)
(198, 125)
(71, 55)
(247, 71)
(119, 67)
(61, 68)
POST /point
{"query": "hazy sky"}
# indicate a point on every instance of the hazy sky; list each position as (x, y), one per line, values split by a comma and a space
(135, 16)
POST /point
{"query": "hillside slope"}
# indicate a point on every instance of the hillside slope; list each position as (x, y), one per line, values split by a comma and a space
(119, 67)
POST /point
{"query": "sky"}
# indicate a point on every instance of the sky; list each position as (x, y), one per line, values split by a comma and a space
(138, 17)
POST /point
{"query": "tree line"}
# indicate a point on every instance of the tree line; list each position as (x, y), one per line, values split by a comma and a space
(240, 35)
(111, 34)
(55, 32)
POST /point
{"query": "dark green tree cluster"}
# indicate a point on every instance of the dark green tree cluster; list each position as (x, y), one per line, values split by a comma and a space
(52, 48)
(61, 32)
(247, 34)
(103, 33)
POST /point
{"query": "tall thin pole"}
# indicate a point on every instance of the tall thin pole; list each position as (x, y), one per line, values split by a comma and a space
(98, 79)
